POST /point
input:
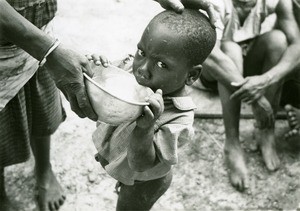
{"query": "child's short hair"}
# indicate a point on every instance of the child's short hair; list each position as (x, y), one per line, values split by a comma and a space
(196, 30)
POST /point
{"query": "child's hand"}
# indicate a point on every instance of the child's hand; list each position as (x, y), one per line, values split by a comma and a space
(152, 112)
(98, 59)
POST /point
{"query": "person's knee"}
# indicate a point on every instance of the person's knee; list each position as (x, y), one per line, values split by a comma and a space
(229, 46)
(275, 41)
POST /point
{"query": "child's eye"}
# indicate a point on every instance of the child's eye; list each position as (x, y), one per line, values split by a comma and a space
(141, 53)
(161, 65)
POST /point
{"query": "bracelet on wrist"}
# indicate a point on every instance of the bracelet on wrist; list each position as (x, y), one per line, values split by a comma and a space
(53, 46)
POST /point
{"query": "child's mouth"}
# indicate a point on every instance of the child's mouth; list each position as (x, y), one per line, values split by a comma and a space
(141, 79)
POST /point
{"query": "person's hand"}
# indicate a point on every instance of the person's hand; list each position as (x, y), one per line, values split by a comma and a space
(263, 113)
(66, 67)
(251, 89)
(152, 112)
(98, 59)
(178, 6)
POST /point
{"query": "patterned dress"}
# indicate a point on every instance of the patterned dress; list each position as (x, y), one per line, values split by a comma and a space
(35, 109)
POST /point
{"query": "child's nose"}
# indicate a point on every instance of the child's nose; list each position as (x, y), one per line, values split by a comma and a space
(143, 68)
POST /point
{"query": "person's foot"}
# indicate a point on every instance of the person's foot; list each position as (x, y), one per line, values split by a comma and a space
(293, 116)
(50, 194)
(268, 148)
(238, 172)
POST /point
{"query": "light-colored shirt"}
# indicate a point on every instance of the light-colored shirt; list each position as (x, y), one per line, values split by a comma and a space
(173, 129)
(258, 21)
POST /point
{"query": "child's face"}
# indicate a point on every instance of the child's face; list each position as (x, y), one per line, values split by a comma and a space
(160, 62)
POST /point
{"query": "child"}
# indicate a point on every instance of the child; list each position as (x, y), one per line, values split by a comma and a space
(140, 154)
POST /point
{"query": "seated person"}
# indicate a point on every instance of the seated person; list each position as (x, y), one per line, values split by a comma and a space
(264, 57)
(140, 154)
(292, 98)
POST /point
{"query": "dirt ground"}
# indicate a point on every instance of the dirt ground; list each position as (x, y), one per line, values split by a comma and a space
(200, 181)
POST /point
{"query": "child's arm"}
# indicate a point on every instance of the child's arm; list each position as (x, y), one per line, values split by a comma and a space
(141, 152)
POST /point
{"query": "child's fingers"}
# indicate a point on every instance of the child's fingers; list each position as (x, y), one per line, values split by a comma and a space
(99, 60)
(159, 98)
(89, 57)
(148, 115)
(159, 91)
(104, 61)
(146, 119)
(96, 59)
(156, 106)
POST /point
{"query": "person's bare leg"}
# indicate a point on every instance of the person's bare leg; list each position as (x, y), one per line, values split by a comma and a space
(50, 195)
(266, 134)
(293, 116)
(5, 203)
(234, 154)
(265, 54)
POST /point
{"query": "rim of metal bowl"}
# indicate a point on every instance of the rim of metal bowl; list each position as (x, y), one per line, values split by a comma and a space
(105, 90)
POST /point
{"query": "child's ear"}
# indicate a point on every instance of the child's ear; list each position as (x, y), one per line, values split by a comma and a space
(193, 74)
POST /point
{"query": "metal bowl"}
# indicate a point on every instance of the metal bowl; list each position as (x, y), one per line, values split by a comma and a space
(115, 95)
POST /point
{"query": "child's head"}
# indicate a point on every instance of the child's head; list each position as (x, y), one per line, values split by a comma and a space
(172, 49)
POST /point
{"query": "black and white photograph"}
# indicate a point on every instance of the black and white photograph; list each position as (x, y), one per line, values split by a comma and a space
(161, 105)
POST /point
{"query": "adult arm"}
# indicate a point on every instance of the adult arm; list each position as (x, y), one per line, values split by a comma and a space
(64, 65)
(254, 87)
(225, 70)
(222, 67)
(290, 59)
(178, 6)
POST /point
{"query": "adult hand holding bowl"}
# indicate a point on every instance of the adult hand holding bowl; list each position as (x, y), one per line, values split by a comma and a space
(115, 95)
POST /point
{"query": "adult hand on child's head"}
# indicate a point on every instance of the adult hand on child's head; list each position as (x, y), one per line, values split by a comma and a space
(66, 67)
(98, 59)
(205, 5)
(251, 89)
(178, 6)
(153, 111)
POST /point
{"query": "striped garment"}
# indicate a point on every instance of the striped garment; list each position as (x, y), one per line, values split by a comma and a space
(173, 128)
(38, 12)
(35, 110)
